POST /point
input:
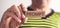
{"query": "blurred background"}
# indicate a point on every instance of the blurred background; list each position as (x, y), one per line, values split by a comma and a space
(5, 4)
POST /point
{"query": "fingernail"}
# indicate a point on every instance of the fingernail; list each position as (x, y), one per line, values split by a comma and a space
(18, 20)
(23, 16)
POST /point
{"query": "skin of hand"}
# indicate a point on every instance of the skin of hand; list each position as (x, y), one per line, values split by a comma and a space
(13, 17)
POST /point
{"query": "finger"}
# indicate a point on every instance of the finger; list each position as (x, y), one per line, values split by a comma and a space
(4, 17)
(24, 9)
(15, 9)
(24, 18)
(14, 17)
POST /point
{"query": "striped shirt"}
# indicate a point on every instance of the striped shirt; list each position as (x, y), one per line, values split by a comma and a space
(53, 21)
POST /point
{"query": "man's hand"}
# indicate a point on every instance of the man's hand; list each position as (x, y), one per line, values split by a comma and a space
(13, 17)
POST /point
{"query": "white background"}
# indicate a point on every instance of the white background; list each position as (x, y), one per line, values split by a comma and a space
(5, 4)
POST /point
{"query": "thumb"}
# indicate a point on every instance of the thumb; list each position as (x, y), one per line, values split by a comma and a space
(7, 22)
(9, 19)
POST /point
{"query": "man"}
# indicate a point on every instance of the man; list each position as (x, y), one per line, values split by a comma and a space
(14, 17)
